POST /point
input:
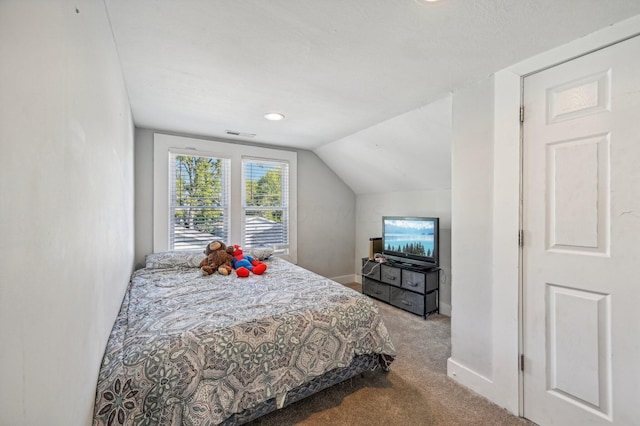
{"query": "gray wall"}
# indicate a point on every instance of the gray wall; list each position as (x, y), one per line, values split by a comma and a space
(326, 218)
(326, 212)
(66, 215)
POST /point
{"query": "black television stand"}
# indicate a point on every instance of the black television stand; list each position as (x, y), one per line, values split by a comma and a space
(405, 286)
(409, 265)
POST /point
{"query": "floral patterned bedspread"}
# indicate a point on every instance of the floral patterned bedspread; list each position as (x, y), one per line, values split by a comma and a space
(193, 350)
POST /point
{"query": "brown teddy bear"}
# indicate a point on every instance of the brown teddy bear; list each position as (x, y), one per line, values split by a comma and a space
(218, 259)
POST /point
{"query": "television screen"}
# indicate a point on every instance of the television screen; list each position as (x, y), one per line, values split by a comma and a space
(411, 239)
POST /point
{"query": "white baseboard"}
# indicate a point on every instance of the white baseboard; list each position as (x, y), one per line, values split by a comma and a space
(345, 279)
(469, 378)
(445, 309)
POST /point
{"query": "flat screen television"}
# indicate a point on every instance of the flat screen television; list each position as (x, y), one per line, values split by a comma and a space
(411, 240)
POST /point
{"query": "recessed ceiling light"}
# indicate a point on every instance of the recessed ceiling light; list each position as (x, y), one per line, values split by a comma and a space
(426, 1)
(274, 116)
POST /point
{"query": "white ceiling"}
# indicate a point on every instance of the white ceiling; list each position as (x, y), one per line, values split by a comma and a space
(333, 67)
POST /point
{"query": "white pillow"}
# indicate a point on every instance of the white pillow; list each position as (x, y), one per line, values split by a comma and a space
(175, 259)
(261, 253)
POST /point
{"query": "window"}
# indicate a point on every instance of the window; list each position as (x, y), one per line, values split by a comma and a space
(265, 204)
(206, 190)
(199, 201)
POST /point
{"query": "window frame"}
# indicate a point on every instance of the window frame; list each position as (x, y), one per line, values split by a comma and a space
(285, 196)
(163, 145)
(225, 208)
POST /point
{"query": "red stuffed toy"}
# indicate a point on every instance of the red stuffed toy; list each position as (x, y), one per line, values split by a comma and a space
(244, 264)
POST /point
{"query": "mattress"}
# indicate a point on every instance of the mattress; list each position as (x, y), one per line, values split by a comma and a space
(192, 349)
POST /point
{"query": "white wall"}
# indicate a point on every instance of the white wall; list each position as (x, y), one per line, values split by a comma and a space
(371, 207)
(472, 217)
(410, 152)
(326, 212)
(485, 336)
(66, 215)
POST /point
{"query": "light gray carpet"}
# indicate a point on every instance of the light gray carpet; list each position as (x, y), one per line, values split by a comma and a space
(416, 391)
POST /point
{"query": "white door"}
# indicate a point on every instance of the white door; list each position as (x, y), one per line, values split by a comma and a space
(581, 255)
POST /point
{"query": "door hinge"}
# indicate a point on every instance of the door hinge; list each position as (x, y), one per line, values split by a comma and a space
(521, 362)
(521, 238)
(522, 114)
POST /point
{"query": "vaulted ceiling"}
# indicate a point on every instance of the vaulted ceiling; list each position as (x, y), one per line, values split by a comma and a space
(332, 67)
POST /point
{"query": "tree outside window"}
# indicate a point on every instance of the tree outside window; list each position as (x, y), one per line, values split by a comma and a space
(198, 201)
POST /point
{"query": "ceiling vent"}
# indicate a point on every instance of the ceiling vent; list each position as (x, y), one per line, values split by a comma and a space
(240, 134)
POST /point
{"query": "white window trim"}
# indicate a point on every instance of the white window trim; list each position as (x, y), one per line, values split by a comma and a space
(162, 144)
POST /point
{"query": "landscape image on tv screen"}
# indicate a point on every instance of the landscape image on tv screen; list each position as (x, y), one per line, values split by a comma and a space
(409, 236)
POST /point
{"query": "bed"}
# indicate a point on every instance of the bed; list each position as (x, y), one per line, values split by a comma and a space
(205, 350)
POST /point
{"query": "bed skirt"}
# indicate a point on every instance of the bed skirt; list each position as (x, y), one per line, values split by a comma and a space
(360, 364)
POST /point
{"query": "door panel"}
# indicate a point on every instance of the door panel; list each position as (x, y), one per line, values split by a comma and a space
(581, 222)
(578, 166)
